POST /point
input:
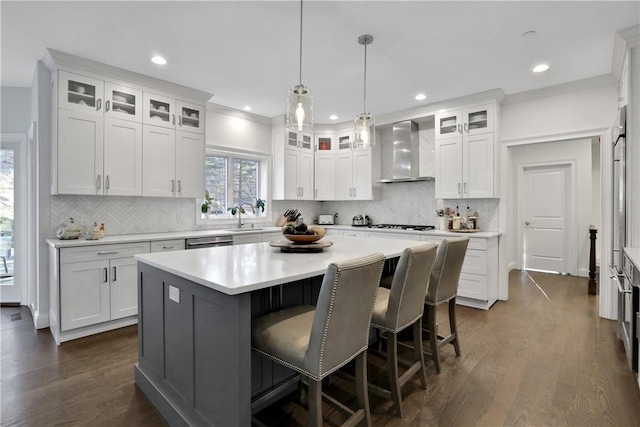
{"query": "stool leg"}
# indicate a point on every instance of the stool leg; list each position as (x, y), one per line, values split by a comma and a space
(361, 385)
(392, 370)
(4, 260)
(453, 325)
(315, 402)
(433, 336)
(417, 351)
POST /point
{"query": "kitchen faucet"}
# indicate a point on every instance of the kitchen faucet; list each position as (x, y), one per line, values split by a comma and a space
(240, 209)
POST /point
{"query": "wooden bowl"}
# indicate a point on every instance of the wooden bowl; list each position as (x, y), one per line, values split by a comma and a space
(302, 238)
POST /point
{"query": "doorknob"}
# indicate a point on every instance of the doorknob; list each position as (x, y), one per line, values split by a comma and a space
(527, 223)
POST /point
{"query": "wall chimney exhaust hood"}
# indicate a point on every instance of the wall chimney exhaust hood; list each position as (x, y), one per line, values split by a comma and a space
(405, 153)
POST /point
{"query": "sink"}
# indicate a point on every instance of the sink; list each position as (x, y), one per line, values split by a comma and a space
(239, 230)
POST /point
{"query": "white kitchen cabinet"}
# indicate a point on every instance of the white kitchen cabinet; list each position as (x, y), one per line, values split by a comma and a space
(353, 233)
(190, 116)
(159, 110)
(354, 175)
(299, 140)
(472, 120)
(97, 284)
(247, 238)
(168, 245)
(122, 158)
(122, 102)
(325, 143)
(173, 163)
(478, 285)
(325, 176)
(80, 93)
(344, 141)
(292, 167)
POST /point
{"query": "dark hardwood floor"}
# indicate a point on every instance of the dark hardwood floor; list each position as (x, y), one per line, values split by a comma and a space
(526, 362)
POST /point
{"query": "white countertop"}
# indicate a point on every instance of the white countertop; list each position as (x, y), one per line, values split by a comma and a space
(634, 256)
(243, 268)
(129, 238)
(481, 234)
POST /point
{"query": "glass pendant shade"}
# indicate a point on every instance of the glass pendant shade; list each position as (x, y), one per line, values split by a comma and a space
(365, 134)
(300, 109)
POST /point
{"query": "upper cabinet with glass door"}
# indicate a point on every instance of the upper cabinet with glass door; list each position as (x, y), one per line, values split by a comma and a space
(325, 143)
(299, 140)
(159, 110)
(80, 93)
(466, 121)
(122, 102)
(190, 117)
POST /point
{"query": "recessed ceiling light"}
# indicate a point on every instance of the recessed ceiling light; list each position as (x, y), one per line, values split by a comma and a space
(421, 96)
(247, 108)
(540, 68)
(158, 60)
(333, 117)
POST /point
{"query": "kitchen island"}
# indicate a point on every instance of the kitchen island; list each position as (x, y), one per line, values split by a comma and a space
(194, 323)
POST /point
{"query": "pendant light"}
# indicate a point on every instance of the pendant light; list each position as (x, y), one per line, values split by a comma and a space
(364, 131)
(300, 102)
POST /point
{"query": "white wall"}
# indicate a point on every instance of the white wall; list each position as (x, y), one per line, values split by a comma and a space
(237, 130)
(15, 109)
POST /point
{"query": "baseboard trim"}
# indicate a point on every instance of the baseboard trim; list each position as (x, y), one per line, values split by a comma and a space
(40, 321)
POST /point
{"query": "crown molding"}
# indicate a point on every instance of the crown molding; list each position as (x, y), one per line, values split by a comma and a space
(228, 111)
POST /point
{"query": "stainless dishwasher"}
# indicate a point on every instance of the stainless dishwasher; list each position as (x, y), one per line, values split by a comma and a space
(208, 242)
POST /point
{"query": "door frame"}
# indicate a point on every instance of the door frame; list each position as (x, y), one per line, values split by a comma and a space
(18, 141)
(570, 219)
(608, 293)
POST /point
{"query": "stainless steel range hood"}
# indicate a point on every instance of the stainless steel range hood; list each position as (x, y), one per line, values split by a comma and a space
(405, 154)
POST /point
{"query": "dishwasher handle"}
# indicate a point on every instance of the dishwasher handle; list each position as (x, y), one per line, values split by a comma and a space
(209, 243)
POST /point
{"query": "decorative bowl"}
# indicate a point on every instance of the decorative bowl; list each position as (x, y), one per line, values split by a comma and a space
(302, 238)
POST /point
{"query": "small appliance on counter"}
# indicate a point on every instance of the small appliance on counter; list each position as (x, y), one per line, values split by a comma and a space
(325, 219)
(359, 221)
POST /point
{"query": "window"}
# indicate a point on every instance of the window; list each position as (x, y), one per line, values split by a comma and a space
(232, 180)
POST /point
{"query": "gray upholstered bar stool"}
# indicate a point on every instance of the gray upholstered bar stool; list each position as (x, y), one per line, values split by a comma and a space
(443, 288)
(400, 307)
(316, 341)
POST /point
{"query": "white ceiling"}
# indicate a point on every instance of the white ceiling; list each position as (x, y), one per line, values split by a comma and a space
(247, 53)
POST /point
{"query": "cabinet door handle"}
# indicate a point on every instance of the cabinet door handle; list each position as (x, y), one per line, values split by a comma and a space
(466, 127)
(464, 188)
(107, 183)
(168, 247)
(173, 119)
(107, 106)
(114, 274)
(108, 252)
(355, 192)
(459, 189)
(173, 185)
(99, 104)
(106, 279)
(179, 120)
(179, 186)
(98, 182)
(459, 128)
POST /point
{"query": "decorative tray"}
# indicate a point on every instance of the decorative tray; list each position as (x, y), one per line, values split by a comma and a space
(287, 246)
(465, 231)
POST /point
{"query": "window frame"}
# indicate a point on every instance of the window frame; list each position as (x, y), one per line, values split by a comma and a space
(264, 169)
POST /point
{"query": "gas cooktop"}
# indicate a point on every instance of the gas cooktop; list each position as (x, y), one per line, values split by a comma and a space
(404, 227)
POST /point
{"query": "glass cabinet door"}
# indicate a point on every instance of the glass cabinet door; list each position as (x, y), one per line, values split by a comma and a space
(122, 102)
(344, 142)
(478, 120)
(190, 117)
(80, 93)
(159, 110)
(292, 140)
(306, 141)
(324, 143)
(448, 124)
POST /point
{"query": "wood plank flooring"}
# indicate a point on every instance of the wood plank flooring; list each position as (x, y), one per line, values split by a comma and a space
(526, 362)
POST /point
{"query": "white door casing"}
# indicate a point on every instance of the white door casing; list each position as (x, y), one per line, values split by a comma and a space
(546, 237)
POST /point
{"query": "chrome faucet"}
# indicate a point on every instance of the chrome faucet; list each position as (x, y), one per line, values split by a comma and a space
(239, 209)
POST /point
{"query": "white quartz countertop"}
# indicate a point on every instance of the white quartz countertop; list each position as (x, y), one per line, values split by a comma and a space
(130, 238)
(481, 234)
(634, 256)
(243, 268)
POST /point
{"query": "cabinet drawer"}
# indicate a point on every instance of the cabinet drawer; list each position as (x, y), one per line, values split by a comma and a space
(167, 245)
(475, 262)
(473, 286)
(94, 253)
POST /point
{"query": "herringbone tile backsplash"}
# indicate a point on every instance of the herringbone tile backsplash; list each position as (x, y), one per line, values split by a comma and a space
(398, 203)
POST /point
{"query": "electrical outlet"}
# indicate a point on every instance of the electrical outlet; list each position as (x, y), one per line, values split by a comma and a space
(174, 294)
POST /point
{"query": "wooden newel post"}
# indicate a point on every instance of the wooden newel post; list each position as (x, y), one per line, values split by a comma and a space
(592, 260)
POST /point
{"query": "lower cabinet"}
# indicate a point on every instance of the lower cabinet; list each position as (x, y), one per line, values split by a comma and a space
(247, 238)
(94, 286)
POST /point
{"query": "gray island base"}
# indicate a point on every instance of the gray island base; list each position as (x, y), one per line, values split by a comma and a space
(194, 325)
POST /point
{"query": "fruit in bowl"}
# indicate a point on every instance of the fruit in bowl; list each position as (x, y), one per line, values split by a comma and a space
(301, 233)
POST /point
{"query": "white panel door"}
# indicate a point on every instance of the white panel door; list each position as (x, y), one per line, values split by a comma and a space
(189, 164)
(325, 177)
(449, 168)
(80, 153)
(362, 175)
(123, 273)
(122, 158)
(158, 161)
(291, 187)
(546, 202)
(305, 175)
(84, 294)
(344, 176)
(477, 166)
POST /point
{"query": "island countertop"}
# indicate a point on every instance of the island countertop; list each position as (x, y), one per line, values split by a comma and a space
(233, 270)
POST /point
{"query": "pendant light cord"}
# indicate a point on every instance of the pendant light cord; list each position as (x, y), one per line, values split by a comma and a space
(300, 79)
(365, 79)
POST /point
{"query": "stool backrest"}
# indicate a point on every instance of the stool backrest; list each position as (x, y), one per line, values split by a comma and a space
(341, 323)
(409, 285)
(446, 269)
